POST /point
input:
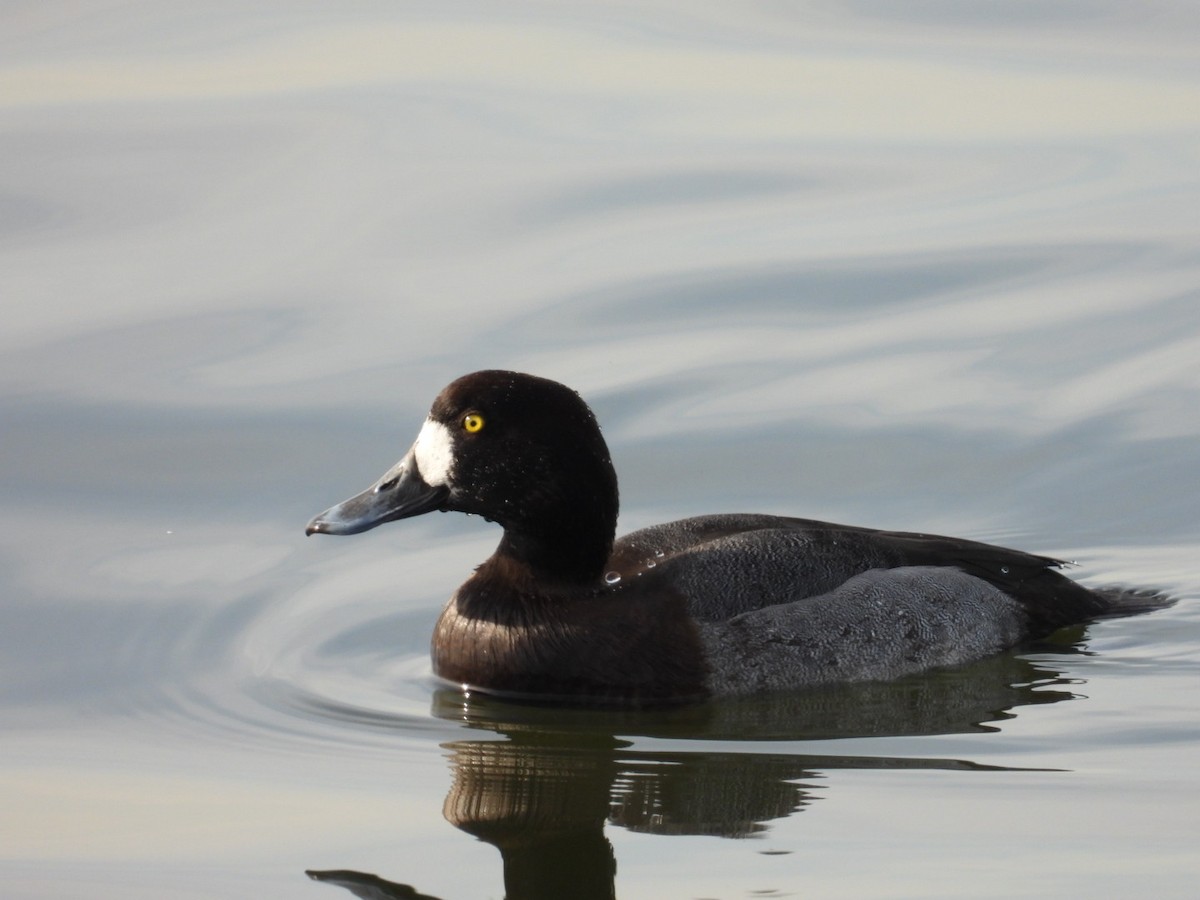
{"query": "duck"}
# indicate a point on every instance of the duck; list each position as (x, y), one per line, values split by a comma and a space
(715, 605)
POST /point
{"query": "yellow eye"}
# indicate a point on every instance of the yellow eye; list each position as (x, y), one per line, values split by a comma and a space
(472, 423)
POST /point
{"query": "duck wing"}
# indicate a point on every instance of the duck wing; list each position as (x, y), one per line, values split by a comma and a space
(726, 565)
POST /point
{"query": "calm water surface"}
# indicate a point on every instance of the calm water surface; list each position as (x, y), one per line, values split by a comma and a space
(935, 269)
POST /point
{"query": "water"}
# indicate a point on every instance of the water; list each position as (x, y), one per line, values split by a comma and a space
(932, 269)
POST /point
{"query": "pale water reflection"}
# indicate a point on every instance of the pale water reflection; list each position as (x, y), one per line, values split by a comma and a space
(931, 267)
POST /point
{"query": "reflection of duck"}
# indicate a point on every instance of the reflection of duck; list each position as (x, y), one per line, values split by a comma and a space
(964, 699)
(369, 887)
(544, 794)
(724, 604)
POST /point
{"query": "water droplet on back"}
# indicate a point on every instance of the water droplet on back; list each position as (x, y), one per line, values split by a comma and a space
(612, 577)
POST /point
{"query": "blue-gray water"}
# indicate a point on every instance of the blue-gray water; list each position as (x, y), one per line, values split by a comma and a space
(934, 267)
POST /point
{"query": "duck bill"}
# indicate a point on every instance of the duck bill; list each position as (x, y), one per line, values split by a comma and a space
(399, 494)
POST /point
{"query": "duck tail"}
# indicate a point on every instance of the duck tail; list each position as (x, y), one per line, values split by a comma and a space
(1126, 601)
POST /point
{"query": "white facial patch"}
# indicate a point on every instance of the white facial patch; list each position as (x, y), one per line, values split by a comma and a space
(434, 453)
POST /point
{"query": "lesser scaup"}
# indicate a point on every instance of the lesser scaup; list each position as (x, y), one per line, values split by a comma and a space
(719, 604)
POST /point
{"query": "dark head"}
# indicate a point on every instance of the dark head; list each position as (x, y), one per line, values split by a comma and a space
(523, 451)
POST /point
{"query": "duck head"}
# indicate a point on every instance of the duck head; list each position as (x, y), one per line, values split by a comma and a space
(523, 451)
